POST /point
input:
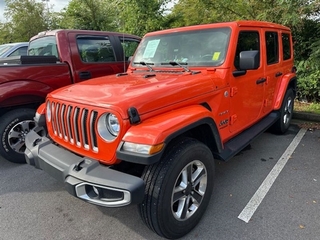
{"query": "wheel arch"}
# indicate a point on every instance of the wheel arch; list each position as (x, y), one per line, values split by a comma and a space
(33, 106)
(22, 94)
(204, 130)
(194, 121)
(288, 81)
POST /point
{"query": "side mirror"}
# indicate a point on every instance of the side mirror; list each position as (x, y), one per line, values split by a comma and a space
(249, 60)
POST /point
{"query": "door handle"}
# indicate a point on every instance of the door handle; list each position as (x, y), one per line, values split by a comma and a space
(84, 75)
(278, 74)
(261, 80)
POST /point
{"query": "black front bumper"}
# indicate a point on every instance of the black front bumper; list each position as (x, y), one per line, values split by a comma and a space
(84, 178)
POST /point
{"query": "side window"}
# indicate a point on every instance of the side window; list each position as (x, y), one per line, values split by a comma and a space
(286, 46)
(44, 46)
(247, 40)
(95, 49)
(272, 47)
(19, 52)
(129, 46)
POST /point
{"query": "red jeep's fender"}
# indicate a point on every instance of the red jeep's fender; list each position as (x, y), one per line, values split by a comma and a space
(21, 92)
(285, 81)
(157, 129)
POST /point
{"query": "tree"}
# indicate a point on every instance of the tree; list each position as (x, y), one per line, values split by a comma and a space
(141, 16)
(132, 16)
(25, 18)
(287, 12)
(88, 14)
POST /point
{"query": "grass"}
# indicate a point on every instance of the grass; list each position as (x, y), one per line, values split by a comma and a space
(313, 108)
(307, 107)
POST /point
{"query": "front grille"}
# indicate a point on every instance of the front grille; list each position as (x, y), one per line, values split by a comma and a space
(75, 125)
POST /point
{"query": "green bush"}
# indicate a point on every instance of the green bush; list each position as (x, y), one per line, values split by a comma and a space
(308, 86)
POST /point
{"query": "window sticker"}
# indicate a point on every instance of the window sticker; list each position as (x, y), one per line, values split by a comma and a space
(215, 56)
(151, 48)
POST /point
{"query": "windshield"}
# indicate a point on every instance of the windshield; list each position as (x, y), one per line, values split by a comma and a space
(193, 48)
(45, 46)
(4, 48)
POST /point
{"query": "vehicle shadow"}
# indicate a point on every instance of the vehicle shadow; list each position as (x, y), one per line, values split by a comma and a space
(50, 206)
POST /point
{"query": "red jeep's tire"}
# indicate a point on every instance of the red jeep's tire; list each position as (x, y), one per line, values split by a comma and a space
(14, 126)
(286, 112)
(178, 189)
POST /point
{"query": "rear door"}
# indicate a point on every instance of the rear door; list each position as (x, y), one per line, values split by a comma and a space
(279, 46)
(273, 67)
(95, 55)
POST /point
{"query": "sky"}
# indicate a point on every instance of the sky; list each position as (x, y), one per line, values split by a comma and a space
(57, 6)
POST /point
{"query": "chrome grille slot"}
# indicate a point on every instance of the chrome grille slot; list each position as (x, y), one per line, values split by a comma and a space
(75, 125)
(69, 114)
(62, 120)
(84, 129)
(54, 126)
(93, 136)
(58, 121)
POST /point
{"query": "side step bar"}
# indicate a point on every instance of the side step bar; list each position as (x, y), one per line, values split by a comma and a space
(236, 144)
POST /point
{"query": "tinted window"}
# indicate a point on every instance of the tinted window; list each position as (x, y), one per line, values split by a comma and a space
(272, 47)
(20, 52)
(95, 49)
(45, 46)
(129, 46)
(286, 46)
(247, 41)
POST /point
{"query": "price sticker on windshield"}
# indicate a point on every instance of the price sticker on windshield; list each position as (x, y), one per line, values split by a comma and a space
(151, 48)
(215, 56)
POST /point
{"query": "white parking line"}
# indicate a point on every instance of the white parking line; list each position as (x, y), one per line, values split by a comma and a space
(262, 191)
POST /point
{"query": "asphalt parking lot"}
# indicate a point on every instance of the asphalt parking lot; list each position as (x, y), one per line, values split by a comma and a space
(35, 206)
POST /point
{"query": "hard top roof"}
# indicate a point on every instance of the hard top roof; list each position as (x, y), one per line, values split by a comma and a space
(234, 24)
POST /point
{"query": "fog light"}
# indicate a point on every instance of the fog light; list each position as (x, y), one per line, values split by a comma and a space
(95, 190)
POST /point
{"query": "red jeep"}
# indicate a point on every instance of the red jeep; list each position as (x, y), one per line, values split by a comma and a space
(150, 136)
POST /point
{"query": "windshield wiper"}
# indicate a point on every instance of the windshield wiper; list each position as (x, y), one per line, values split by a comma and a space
(146, 64)
(173, 63)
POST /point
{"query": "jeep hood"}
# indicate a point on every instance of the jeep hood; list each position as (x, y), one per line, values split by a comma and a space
(145, 92)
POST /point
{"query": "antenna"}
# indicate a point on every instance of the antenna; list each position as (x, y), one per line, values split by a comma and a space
(124, 52)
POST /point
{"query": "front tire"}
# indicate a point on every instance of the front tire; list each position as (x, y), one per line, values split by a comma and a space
(178, 189)
(14, 126)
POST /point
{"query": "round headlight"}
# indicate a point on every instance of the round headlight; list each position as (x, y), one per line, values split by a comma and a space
(113, 124)
(48, 111)
(108, 126)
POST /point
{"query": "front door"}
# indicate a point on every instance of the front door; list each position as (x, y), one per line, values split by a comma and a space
(247, 91)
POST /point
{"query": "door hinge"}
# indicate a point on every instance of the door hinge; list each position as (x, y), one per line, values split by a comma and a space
(233, 91)
(233, 119)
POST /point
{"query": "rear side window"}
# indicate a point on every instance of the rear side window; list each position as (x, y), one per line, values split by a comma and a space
(286, 46)
(247, 41)
(129, 46)
(272, 47)
(95, 49)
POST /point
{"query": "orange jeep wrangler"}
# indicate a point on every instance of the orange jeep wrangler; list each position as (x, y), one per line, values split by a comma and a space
(149, 136)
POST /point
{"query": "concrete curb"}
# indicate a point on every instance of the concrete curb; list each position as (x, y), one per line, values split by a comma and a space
(312, 117)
